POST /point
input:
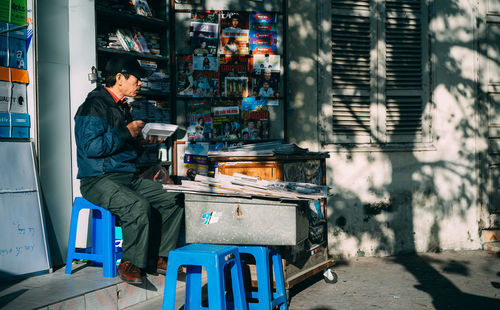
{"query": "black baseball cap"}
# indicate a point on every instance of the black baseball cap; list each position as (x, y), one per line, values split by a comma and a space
(125, 64)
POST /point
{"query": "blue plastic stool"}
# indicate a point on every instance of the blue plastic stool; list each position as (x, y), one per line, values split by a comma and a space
(214, 258)
(266, 299)
(103, 238)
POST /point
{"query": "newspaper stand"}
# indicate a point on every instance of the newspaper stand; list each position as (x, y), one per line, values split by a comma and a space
(309, 257)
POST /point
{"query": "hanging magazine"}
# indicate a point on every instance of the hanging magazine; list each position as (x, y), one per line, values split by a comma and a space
(199, 119)
(226, 123)
(263, 34)
(185, 79)
(206, 84)
(234, 33)
(234, 76)
(255, 117)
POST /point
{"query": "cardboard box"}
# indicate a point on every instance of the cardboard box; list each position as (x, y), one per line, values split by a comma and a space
(5, 96)
(4, 45)
(4, 125)
(20, 125)
(17, 53)
(18, 102)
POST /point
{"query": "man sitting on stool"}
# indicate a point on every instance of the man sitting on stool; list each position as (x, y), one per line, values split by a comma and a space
(108, 141)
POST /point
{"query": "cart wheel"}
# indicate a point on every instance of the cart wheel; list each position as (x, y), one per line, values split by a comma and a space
(330, 276)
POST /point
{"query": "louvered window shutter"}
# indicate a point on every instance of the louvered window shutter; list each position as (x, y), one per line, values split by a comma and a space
(405, 78)
(379, 82)
(351, 76)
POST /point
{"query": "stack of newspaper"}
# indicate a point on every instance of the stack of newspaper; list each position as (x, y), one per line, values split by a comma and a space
(261, 149)
(245, 186)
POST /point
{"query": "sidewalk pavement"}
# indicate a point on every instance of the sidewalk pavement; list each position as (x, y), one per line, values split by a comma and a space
(449, 280)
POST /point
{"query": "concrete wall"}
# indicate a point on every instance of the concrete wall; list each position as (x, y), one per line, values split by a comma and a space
(54, 122)
(409, 199)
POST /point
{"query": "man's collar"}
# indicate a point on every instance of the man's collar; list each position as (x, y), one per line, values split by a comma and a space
(116, 99)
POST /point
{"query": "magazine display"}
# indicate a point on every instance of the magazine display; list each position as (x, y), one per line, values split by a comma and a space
(205, 63)
(234, 33)
(196, 158)
(206, 84)
(255, 117)
(199, 121)
(142, 7)
(234, 76)
(262, 62)
(204, 38)
(185, 77)
(263, 21)
(266, 84)
(263, 34)
(226, 123)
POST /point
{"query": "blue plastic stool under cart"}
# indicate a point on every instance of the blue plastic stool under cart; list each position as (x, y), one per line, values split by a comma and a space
(266, 299)
(103, 248)
(213, 258)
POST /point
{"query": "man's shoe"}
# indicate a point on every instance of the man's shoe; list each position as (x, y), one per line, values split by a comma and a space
(129, 272)
(161, 266)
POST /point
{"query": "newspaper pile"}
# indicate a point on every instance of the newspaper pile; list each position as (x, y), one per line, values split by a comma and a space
(245, 186)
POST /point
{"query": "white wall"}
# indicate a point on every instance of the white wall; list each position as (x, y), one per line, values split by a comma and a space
(405, 200)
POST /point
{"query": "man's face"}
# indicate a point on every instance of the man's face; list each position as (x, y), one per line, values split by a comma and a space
(267, 75)
(266, 86)
(203, 44)
(129, 87)
(250, 125)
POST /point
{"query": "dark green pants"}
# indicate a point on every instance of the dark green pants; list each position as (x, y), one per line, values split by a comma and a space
(150, 217)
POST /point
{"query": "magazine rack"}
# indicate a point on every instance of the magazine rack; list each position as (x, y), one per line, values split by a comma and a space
(222, 107)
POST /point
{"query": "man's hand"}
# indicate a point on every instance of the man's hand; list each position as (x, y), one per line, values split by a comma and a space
(135, 128)
(154, 140)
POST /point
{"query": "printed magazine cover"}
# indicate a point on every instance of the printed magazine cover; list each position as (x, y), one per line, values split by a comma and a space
(263, 42)
(199, 120)
(204, 38)
(206, 84)
(255, 117)
(196, 158)
(185, 77)
(234, 33)
(226, 123)
(234, 72)
(266, 84)
(205, 63)
(263, 21)
(262, 62)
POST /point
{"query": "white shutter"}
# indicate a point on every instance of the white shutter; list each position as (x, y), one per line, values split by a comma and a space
(405, 60)
(351, 45)
(379, 91)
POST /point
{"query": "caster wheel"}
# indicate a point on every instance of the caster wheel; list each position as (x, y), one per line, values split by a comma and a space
(330, 276)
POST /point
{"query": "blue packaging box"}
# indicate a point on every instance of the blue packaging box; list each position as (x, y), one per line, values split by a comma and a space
(4, 125)
(4, 45)
(20, 125)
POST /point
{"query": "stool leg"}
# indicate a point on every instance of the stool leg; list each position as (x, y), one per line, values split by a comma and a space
(216, 286)
(108, 245)
(170, 285)
(263, 278)
(72, 239)
(192, 298)
(238, 288)
(280, 295)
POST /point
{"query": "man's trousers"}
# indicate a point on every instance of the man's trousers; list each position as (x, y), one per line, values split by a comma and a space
(150, 217)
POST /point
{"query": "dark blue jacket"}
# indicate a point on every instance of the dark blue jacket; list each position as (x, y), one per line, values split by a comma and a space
(103, 142)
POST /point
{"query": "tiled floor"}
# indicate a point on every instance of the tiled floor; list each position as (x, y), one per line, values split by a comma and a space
(85, 288)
